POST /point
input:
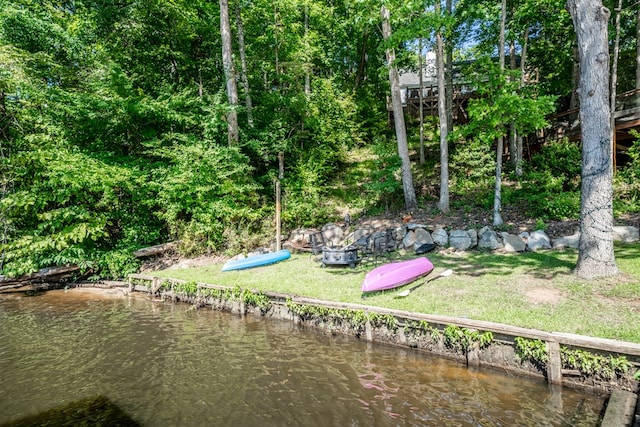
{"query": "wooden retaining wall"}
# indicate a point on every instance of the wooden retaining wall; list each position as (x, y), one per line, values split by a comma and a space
(499, 354)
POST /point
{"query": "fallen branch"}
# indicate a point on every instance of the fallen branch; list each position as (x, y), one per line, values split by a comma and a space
(49, 273)
(154, 250)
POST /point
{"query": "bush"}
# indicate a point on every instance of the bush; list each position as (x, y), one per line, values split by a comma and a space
(551, 184)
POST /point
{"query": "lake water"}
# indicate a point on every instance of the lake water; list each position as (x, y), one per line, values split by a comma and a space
(166, 364)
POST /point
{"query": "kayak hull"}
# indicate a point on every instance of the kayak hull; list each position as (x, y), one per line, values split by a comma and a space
(256, 260)
(396, 274)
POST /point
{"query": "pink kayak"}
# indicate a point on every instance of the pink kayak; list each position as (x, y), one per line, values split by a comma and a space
(396, 274)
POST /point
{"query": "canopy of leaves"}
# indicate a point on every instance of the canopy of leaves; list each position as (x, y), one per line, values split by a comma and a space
(112, 117)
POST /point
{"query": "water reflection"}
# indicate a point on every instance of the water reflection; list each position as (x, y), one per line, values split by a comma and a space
(168, 365)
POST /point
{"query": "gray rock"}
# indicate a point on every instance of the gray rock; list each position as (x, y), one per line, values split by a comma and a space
(473, 234)
(626, 234)
(413, 227)
(567, 241)
(513, 243)
(409, 239)
(460, 239)
(489, 239)
(422, 236)
(440, 237)
(332, 234)
(538, 240)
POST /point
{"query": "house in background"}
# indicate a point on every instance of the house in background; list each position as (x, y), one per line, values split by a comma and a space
(410, 91)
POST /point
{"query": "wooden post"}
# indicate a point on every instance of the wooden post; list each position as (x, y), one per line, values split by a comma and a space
(278, 198)
(554, 365)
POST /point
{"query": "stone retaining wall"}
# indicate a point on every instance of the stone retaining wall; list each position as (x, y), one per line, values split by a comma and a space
(412, 236)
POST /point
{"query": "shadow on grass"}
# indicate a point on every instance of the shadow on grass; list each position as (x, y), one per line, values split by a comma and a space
(547, 265)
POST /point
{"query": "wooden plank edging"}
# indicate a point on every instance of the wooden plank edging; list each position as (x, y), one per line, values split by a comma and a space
(562, 338)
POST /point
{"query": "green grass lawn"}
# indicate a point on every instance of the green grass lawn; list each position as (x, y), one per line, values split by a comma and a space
(531, 290)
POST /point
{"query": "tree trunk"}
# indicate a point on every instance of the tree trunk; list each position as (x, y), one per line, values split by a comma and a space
(638, 51)
(497, 194)
(229, 73)
(243, 64)
(575, 78)
(398, 116)
(614, 84)
(420, 99)
(307, 72)
(523, 61)
(363, 60)
(448, 70)
(443, 203)
(513, 134)
(595, 251)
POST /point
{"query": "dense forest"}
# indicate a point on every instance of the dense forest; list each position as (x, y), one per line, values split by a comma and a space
(128, 123)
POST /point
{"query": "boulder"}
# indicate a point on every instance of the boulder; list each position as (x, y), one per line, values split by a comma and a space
(489, 239)
(567, 241)
(412, 227)
(422, 236)
(513, 243)
(473, 234)
(332, 234)
(538, 240)
(626, 234)
(409, 239)
(460, 239)
(440, 237)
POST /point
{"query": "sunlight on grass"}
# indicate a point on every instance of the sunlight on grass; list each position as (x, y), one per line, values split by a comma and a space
(531, 290)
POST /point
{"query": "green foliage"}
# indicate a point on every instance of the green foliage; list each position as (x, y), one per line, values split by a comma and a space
(385, 182)
(464, 339)
(114, 264)
(531, 350)
(605, 367)
(387, 320)
(472, 165)
(187, 288)
(551, 183)
(203, 191)
(503, 101)
(627, 180)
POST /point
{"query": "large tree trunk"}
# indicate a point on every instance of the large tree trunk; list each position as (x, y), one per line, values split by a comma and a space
(307, 72)
(513, 134)
(420, 99)
(497, 194)
(398, 116)
(596, 256)
(443, 203)
(575, 78)
(638, 51)
(229, 73)
(243, 64)
(523, 69)
(614, 84)
(448, 69)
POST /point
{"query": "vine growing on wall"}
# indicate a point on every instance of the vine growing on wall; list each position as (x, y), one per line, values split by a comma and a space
(464, 339)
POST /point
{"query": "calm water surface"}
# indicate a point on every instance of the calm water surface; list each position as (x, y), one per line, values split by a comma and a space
(169, 365)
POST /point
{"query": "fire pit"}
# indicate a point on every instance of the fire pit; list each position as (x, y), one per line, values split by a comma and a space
(340, 256)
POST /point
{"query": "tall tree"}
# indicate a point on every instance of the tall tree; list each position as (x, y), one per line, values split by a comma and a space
(638, 50)
(229, 73)
(443, 203)
(614, 82)
(497, 194)
(248, 104)
(410, 200)
(595, 257)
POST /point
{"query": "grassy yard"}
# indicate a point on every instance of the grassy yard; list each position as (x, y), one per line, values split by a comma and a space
(531, 290)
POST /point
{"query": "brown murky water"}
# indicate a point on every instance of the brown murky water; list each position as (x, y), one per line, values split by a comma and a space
(169, 365)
